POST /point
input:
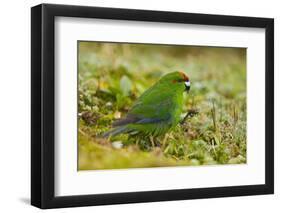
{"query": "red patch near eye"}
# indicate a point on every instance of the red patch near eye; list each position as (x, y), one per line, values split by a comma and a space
(174, 81)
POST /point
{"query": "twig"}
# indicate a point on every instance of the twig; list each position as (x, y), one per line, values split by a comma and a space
(82, 132)
(214, 116)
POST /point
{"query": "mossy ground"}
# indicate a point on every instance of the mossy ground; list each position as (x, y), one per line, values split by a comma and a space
(112, 76)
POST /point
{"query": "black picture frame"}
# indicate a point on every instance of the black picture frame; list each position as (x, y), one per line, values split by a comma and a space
(43, 102)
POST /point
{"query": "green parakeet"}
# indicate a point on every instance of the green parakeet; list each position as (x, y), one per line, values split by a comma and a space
(157, 110)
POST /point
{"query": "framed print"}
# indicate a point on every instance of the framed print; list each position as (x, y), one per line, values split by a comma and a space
(139, 106)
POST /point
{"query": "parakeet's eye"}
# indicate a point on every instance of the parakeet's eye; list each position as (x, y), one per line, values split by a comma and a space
(187, 85)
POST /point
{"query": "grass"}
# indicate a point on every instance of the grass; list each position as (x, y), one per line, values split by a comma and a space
(112, 76)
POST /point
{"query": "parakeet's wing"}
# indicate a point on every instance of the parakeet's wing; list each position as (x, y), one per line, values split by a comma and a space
(153, 106)
(143, 114)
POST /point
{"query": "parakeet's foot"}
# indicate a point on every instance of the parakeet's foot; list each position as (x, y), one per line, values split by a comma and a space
(152, 141)
(165, 140)
(137, 141)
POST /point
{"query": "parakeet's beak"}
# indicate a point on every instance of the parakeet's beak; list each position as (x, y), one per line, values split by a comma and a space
(187, 85)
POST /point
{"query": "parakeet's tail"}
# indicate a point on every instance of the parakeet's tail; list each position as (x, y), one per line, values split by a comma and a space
(115, 131)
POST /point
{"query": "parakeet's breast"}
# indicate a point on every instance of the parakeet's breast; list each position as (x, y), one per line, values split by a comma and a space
(178, 99)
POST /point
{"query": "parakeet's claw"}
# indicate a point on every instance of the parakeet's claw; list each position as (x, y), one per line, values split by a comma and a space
(163, 144)
(152, 141)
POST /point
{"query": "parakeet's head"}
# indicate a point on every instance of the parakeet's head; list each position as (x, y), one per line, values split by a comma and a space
(176, 80)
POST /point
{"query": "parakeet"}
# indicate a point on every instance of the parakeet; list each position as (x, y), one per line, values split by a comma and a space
(157, 110)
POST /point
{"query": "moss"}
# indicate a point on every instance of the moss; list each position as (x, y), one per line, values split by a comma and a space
(112, 76)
